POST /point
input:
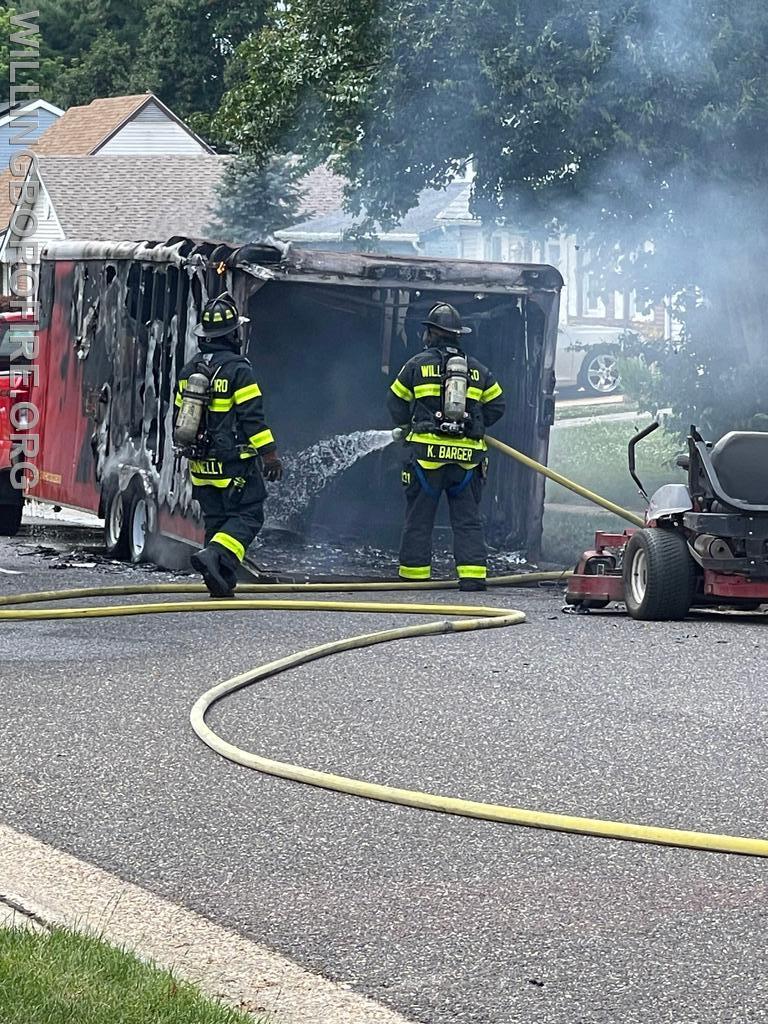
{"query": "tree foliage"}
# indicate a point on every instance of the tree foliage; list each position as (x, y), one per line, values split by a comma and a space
(256, 199)
(45, 77)
(639, 124)
(178, 49)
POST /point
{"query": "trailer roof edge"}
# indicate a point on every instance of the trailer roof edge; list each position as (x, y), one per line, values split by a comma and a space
(287, 261)
(86, 250)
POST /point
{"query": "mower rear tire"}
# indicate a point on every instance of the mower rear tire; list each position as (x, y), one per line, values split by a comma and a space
(659, 575)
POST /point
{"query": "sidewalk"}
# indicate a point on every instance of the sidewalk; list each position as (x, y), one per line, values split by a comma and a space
(41, 885)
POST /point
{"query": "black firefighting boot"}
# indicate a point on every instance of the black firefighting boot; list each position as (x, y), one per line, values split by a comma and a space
(472, 585)
(214, 566)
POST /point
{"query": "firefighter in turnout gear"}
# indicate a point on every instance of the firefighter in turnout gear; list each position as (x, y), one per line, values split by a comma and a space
(220, 427)
(447, 399)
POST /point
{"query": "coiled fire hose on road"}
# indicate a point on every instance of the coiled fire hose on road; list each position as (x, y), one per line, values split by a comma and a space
(461, 619)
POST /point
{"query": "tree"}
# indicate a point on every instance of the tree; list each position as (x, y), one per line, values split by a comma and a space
(256, 199)
(186, 48)
(178, 49)
(94, 43)
(638, 124)
(105, 69)
(44, 76)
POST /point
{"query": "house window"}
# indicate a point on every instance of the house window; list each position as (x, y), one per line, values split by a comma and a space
(592, 303)
(638, 312)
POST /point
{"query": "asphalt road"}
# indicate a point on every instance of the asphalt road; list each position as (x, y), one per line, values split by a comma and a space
(447, 920)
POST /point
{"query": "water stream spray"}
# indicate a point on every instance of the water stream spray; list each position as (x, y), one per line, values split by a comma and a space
(309, 471)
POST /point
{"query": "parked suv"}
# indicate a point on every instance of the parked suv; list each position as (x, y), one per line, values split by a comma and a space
(588, 358)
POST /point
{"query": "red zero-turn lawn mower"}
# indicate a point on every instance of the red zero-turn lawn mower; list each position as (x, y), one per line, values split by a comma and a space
(704, 543)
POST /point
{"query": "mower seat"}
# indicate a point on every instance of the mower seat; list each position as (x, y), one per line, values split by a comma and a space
(740, 460)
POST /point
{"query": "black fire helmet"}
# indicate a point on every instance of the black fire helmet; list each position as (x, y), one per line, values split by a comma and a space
(220, 316)
(444, 317)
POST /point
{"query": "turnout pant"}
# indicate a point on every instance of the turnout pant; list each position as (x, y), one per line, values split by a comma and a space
(423, 489)
(233, 515)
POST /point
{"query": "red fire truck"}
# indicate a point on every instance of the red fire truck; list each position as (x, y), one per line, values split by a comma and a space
(328, 331)
(15, 349)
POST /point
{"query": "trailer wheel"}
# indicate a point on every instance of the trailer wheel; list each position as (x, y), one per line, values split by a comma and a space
(138, 523)
(659, 575)
(115, 525)
(10, 519)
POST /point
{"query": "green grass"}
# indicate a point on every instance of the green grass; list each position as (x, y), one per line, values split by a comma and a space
(575, 412)
(567, 534)
(62, 977)
(595, 456)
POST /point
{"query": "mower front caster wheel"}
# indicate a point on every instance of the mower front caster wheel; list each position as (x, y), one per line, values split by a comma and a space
(659, 575)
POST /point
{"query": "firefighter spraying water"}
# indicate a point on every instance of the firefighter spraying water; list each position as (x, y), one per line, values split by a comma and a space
(448, 400)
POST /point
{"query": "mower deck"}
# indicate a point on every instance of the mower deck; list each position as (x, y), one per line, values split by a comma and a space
(598, 579)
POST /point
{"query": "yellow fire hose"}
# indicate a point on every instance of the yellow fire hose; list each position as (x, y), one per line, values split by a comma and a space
(479, 618)
(557, 478)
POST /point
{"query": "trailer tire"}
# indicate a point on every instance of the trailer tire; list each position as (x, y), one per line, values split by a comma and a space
(139, 520)
(115, 525)
(10, 519)
(659, 575)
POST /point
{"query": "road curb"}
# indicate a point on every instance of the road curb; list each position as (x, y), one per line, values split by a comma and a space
(41, 884)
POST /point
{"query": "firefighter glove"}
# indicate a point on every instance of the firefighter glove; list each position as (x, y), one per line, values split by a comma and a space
(272, 467)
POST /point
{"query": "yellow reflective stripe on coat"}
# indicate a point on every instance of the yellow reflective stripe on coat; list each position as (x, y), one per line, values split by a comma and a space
(427, 390)
(247, 393)
(230, 543)
(220, 404)
(259, 440)
(415, 572)
(475, 393)
(446, 439)
(471, 572)
(401, 390)
(427, 464)
(177, 400)
(490, 393)
(209, 481)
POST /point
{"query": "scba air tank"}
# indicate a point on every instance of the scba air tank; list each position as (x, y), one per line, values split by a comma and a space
(455, 389)
(194, 402)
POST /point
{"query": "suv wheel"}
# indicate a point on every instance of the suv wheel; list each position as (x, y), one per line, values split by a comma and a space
(599, 373)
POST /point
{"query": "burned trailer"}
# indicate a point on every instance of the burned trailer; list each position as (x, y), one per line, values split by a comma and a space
(327, 333)
(327, 342)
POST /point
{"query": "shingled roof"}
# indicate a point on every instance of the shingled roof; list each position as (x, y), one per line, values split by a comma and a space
(132, 197)
(323, 192)
(81, 131)
(427, 215)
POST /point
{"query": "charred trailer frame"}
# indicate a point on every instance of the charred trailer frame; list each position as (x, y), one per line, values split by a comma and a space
(328, 332)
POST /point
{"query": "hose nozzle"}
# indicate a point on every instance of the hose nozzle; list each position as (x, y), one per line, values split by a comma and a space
(399, 433)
